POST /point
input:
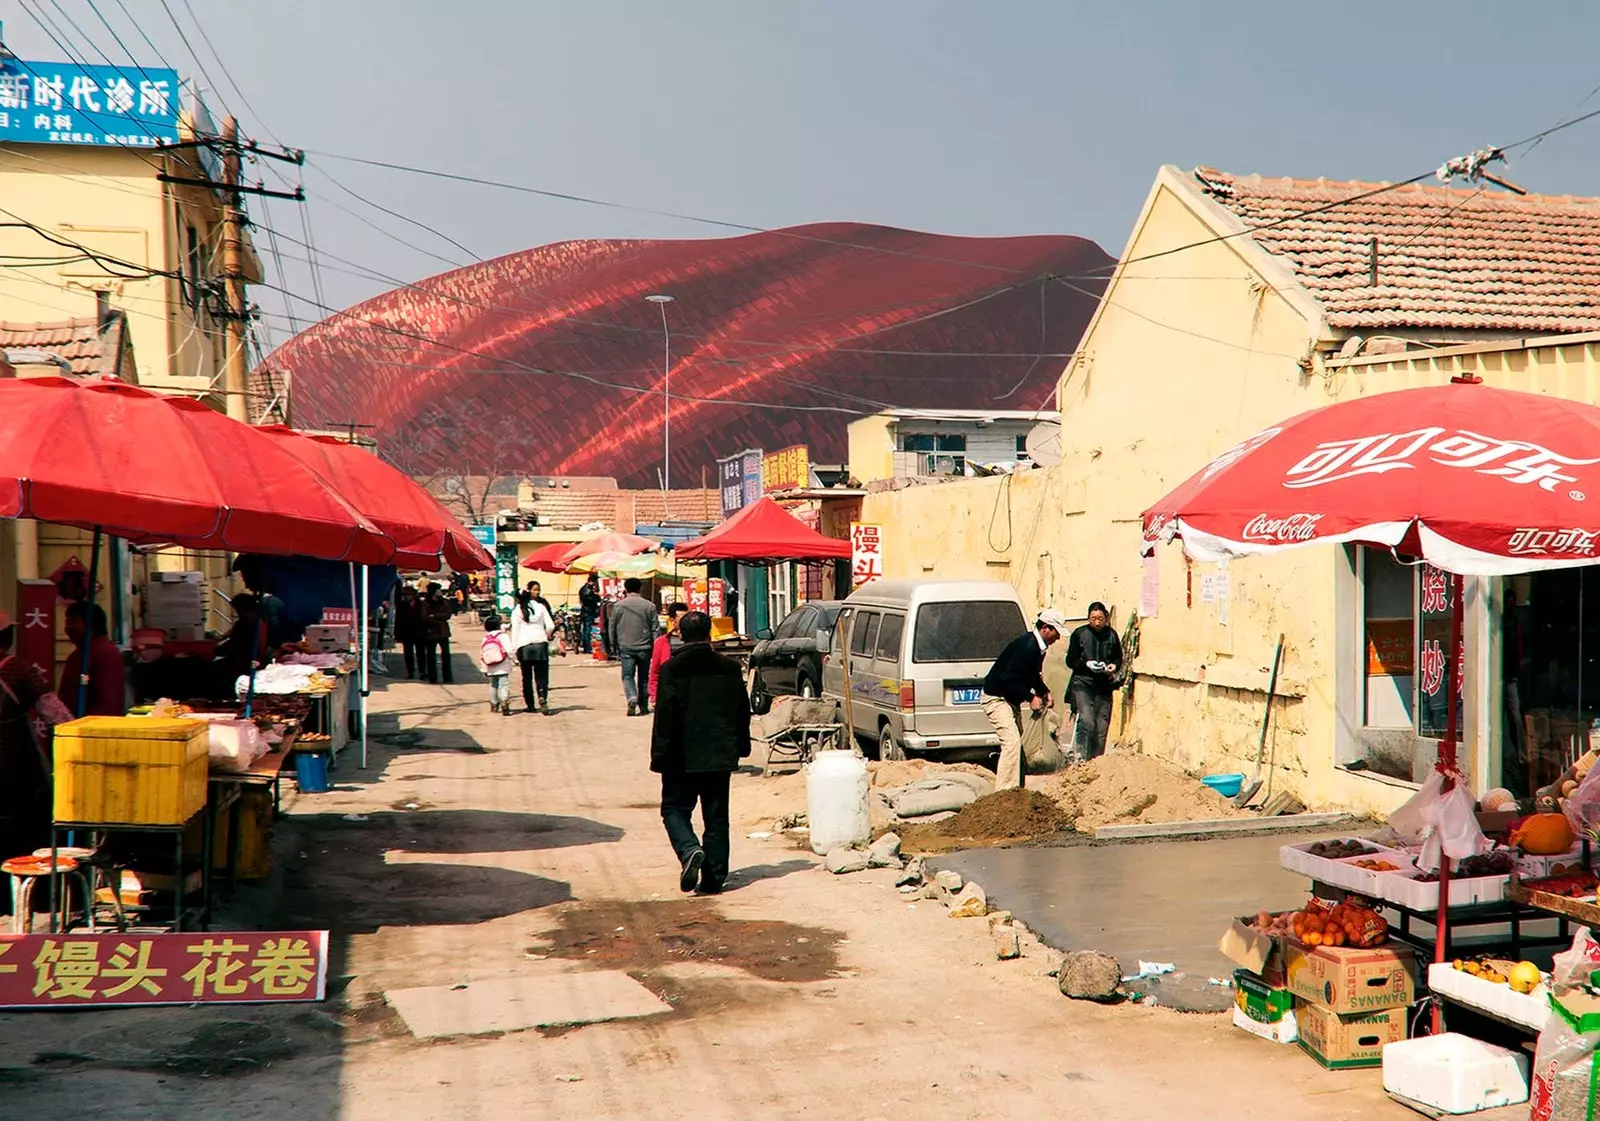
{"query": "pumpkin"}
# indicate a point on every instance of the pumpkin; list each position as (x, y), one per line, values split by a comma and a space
(1543, 834)
(1497, 799)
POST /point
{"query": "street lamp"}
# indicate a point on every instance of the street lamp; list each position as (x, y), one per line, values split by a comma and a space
(662, 301)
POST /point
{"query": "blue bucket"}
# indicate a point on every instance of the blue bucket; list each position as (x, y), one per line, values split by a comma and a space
(311, 771)
(1227, 785)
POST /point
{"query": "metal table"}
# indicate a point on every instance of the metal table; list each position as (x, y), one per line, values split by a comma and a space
(59, 902)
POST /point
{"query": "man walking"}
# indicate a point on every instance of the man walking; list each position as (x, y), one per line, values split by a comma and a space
(701, 731)
(634, 625)
(1015, 680)
(1094, 654)
(588, 612)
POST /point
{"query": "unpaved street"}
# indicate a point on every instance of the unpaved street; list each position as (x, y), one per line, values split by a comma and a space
(480, 849)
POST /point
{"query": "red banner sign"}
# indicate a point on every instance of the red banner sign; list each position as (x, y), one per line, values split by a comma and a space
(339, 616)
(102, 970)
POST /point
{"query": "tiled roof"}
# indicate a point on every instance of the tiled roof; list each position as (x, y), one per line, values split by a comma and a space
(569, 509)
(651, 507)
(1448, 257)
(82, 342)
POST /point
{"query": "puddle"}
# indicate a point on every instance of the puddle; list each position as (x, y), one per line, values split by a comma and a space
(218, 1048)
(670, 932)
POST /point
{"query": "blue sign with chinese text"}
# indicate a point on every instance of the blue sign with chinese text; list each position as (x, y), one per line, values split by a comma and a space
(485, 535)
(65, 103)
(752, 476)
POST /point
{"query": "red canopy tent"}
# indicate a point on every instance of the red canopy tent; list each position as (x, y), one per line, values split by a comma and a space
(763, 532)
(547, 558)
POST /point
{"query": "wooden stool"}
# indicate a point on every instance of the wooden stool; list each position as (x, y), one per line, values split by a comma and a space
(26, 872)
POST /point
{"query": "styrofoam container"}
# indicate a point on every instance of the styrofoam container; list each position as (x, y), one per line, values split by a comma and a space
(1532, 867)
(1455, 1073)
(1531, 1010)
(1342, 872)
(1406, 890)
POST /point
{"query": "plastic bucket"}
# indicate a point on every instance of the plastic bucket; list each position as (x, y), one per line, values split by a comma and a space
(311, 771)
(1226, 785)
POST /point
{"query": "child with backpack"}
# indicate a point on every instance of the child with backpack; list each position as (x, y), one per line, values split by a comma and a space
(495, 654)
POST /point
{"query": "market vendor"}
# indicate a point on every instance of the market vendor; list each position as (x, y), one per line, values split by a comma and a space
(246, 643)
(107, 678)
(24, 766)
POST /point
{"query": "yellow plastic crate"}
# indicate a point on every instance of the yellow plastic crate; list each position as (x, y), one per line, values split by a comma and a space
(130, 770)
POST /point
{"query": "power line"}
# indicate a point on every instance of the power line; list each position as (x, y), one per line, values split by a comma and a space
(184, 38)
(404, 218)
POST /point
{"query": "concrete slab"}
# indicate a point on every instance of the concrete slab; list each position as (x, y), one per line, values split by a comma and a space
(1165, 901)
(519, 1003)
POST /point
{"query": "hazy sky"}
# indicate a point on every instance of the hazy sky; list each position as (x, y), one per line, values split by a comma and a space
(1003, 117)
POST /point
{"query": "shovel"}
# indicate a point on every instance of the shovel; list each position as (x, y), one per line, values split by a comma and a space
(1242, 799)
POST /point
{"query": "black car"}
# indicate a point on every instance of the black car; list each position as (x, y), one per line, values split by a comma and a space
(788, 661)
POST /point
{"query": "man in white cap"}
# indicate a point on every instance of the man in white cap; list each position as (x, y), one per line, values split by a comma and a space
(1017, 679)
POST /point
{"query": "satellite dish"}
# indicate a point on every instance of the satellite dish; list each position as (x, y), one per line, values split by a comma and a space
(1044, 443)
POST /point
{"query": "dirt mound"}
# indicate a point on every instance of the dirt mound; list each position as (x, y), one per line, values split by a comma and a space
(1121, 789)
(1006, 815)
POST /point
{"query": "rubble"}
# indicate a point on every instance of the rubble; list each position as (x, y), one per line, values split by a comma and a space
(884, 852)
(846, 859)
(1007, 946)
(1090, 975)
(948, 879)
(912, 876)
(970, 903)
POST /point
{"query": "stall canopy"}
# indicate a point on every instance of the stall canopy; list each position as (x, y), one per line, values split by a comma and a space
(764, 532)
(547, 558)
(425, 534)
(104, 455)
(628, 544)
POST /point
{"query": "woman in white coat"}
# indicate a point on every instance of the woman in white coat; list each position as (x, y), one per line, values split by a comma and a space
(532, 627)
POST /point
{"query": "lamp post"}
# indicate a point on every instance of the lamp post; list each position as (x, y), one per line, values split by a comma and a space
(662, 301)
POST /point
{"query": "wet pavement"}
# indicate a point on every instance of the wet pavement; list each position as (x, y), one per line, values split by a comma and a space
(1166, 901)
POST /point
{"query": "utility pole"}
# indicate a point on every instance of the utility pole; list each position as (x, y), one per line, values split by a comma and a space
(234, 380)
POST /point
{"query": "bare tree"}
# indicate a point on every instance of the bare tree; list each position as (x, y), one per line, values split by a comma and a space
(472, 488)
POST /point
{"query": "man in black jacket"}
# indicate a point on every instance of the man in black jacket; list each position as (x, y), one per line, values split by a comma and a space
(701, 731)
(1094, 655)
(1017, 679)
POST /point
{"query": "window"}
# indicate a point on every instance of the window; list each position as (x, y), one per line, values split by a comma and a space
(1406, 633)
(792, 626)
(1022, 449)
(965, 632)
(938, 453)
(864, 633)
(889, 637)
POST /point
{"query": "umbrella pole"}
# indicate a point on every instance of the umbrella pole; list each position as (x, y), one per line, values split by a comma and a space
(1447, 765)
(88, 627)
(366, 682)
(255, 656)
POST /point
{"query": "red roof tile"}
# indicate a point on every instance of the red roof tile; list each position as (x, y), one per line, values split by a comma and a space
(1448, 257)
(81, 341)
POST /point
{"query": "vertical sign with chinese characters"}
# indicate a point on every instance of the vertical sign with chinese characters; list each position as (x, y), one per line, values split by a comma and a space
(786, 469)
(752, 475)
(102, 970)
(730, 484)
(36, 622)
(68, 103)
(866, 553)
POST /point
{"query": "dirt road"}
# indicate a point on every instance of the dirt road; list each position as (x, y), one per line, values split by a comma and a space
(494, 852)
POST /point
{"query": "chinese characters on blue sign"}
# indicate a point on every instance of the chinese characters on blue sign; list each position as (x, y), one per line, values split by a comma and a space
(752, 476)
(739, 481)
(485, 535)
(65, 103)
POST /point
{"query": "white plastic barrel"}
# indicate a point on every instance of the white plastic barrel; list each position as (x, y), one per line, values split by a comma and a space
(836, 801)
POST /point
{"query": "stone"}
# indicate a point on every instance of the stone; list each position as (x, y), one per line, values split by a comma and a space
(999, 918)
(912, 876)
(1006, 945)
(884, 852)
(935, 891)
(969, 903)
(845, 859)
(1090, 975)
(948, 879)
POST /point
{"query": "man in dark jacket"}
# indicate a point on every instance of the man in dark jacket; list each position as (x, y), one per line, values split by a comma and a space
(634, 624)
(1017, 679)
(588, 612)
(436, 612)
(701, 731)
(1094, 655)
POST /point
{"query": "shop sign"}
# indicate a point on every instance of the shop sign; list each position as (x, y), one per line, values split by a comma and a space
(36, 622)
(788, 469)
(866, 553)
(505, 578)
(73, 103)
(753, 459)
(339, 616)
(1389, 647)
(730, 484)
(710, 596)
(486, 535)
(611, 587)
(220, 967)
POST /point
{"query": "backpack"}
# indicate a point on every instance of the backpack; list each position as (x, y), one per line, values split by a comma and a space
(492, 650)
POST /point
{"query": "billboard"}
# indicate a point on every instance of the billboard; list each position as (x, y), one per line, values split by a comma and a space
(740, 480)
(69, 103)
(786, 469)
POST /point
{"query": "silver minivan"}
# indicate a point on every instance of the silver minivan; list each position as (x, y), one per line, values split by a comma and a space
(918, 653)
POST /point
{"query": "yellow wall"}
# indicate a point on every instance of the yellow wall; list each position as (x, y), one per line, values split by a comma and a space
(871, 448)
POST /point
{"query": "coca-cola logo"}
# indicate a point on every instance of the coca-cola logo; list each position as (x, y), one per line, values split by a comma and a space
(1283, 531)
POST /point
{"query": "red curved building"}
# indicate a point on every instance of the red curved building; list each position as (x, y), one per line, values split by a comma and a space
(549, 361)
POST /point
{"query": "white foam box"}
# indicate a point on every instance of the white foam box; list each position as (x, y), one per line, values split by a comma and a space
(1531, 1010)
(1341, 872)
(1283, 1030)
(1454, 1073)
(1406, 890)
(1531, 867)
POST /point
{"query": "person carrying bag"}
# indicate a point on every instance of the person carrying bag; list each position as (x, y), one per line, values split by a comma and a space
(531, 629)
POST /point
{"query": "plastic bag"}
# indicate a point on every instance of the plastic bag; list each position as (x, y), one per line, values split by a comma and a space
(1583, 807)
(1572, 966)
(1442, 820)
(1041, 755)
(1563, 1084)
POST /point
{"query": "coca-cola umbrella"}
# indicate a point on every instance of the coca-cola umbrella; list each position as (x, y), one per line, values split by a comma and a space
(1473, 480)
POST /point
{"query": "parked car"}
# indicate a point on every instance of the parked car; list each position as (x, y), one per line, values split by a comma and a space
(918, 654)
(788, 661)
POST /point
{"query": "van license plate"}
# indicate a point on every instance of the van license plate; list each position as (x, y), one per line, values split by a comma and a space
(965, 696)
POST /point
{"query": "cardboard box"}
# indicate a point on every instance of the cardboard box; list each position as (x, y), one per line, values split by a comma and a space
(1348, 980)
(1248, 948)
(1259, 1000)
(1346, 1042)
(1284, 1030)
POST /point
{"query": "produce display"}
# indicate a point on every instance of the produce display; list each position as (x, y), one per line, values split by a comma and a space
(1500, 862)
(1573, 884)
(1340, 850)
(1350, 923)
(1376, 865)
(1498, 799)
(1545, 834)
(1523, 976)
(1279, 925)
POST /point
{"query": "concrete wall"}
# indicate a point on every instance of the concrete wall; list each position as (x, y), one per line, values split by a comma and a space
(871, 448)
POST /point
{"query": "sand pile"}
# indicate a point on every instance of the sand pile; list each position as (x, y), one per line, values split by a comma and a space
(1121, 789)
(1006, 815)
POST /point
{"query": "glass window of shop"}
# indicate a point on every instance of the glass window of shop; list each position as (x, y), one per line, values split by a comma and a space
(1549, 653)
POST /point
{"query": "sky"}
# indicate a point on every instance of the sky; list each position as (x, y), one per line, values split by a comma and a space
(984, 118)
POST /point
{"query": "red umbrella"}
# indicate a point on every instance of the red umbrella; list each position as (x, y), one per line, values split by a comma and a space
(626, 543)
(1447, 473)
(1476, 481)
(425, 534)
(763, 531)
(547, 558)
(151, 468)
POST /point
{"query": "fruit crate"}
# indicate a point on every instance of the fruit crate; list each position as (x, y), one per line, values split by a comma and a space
(1406, 890)
(1584, 911)
(1341, 871)
(1528, 1010)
